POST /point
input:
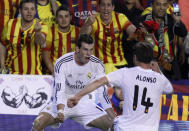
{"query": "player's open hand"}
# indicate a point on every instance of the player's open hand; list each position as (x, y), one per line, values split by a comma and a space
(72, 101)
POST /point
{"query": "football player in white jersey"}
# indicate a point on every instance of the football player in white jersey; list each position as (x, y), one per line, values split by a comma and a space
(142, 88)
(73, 71)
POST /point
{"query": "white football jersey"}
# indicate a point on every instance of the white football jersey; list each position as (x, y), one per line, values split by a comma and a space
(142, 89)
(70, 78)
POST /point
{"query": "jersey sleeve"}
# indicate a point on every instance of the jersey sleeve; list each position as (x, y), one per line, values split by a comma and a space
(167, 87)
(6, 33)
(44, 29)
(94, 26)
(103, 97)
(59, 84)
(48, 40)
(124, 21)
(100, 70)
(3, 38)
(115, 77)
(101, 93)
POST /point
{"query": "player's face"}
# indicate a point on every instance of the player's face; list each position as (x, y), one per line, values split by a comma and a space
(159, 8)
(28, 12)
(63, 19)
(106, 9)
(85, 52)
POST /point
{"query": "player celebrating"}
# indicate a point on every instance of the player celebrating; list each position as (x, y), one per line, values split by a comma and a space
(73, 71)
(142, 89)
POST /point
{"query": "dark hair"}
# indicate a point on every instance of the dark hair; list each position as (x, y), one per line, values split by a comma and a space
(143, 52)
(155, 0)
(62, 8)
(101, 1)
(84, 38)
(26, 1)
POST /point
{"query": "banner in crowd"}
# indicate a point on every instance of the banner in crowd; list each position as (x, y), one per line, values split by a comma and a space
(176, 106)
(24, 94)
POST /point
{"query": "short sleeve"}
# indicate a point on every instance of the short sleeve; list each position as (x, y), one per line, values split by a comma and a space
(60, 84)
(95, 24)
(3, 38)
(167, 86)
(48, 40)
(124, 21)
(44, 29)
(100, 70)
(115, 78)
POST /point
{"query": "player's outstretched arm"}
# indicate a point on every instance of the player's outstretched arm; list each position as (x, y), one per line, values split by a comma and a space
(89, 88)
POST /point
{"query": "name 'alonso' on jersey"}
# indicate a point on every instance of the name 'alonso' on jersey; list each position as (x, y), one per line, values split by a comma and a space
(142, 89)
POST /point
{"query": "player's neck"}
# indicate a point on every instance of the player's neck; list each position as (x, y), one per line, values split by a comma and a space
(107, 21)
(64, 29)
(144, 65)
(78, 60)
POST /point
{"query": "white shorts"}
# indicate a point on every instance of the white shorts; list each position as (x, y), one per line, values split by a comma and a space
(84, 112)
(120, 124)
(116, 124)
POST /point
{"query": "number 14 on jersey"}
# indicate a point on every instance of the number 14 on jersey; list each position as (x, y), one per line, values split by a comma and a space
(147, 103)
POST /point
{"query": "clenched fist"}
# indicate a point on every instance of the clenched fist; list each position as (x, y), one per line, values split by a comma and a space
(91, 19)
(59, 118)
(37, 27)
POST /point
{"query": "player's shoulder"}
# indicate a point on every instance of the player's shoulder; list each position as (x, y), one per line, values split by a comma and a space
(66, 58)
(11, 20)
(94, 59)
(73, 27)
(118, 14)
(149, 71)
(15, 21)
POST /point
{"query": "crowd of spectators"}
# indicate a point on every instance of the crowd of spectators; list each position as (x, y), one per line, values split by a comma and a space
(32, 34)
